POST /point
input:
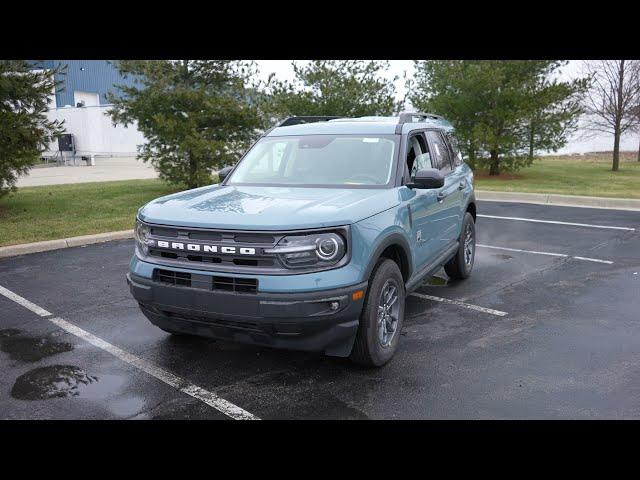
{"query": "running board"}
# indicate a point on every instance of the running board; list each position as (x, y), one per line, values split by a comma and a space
(444, 257)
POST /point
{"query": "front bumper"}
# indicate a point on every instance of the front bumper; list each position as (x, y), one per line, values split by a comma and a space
(299, 321)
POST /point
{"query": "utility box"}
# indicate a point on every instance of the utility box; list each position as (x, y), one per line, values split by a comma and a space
(66, 143)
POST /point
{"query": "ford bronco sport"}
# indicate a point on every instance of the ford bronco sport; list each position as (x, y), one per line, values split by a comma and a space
(313, 240)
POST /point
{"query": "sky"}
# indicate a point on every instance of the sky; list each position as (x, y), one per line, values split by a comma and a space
(578, 144)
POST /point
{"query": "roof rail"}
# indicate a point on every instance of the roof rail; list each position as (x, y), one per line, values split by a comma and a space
(305, 119)
(407, 117)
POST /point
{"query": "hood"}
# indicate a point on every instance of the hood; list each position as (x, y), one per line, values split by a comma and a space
(267, 208)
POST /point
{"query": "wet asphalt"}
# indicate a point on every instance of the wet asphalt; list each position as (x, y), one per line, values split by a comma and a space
(569, 346)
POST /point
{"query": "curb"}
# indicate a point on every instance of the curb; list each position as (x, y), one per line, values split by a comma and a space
(24, 248)
(557, 199)
(484, 195)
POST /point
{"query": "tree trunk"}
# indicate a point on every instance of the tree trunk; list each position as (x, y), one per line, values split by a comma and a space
(639, 151)
(618, 122)
(193, 171)
(531, 141)
(494, 169)
(616, 150)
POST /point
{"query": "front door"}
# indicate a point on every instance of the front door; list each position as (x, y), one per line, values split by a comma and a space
(447, 213)
(422, 204)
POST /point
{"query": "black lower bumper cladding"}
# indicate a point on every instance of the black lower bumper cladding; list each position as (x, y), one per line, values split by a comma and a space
(324, 321)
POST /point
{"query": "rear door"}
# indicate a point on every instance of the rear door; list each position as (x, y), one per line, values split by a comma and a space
(447, 213)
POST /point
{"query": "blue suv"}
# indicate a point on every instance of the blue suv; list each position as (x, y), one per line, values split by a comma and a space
(313, 240)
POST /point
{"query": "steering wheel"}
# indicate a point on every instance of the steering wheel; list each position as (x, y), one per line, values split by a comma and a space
(366, 176)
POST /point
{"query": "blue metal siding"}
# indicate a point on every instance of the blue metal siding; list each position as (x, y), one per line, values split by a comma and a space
(93, 76)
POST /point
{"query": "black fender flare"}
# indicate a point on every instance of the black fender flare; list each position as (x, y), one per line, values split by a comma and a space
(391, 239)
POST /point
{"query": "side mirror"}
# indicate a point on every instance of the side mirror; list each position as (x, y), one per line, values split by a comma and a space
(427, 178)
(223, 173)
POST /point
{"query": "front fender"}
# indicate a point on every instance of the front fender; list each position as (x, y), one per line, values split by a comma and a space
(380, 231)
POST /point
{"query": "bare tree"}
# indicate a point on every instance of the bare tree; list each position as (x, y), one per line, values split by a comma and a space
(611, 102)
(636, 114)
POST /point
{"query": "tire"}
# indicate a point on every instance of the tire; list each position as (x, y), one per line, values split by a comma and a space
(376, 343)
(460, 266)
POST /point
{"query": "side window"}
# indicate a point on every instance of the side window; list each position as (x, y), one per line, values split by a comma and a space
(441, 155)
(418, 156)
(455, 149)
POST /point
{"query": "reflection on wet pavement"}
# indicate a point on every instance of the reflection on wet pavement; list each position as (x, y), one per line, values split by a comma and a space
(30, 349)
(54, 381)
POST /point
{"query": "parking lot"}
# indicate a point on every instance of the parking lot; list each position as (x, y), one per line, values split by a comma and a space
(548, 326)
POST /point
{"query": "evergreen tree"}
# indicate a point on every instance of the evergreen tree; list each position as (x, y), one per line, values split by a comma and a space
(503, 111)
(351, 88)
(25, 131)
(196, 115)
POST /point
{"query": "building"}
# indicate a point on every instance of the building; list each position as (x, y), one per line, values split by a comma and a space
(81, 102)
(84, 82)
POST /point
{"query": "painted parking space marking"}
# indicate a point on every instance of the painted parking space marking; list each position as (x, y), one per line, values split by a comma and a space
(24, 302)
(209, 398)
(556, 222)
(470, 306)
(550, 254)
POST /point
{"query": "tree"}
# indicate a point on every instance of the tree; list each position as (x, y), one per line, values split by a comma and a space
(503, 111)
(611, 101)
(350, 88)
(196, 115)
(25, 131)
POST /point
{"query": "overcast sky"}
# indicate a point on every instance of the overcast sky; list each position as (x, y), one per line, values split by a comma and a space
(284, 70)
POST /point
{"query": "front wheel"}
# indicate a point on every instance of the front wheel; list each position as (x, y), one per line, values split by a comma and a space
(382, 316)
(460, 266)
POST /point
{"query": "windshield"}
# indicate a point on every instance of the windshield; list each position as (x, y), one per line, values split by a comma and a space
(346, 160)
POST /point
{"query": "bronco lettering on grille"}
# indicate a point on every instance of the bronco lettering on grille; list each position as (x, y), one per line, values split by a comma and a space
(198, 247)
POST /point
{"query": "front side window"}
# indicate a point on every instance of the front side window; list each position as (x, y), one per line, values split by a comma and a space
(455, 147)
(322, 160)
(441, 152)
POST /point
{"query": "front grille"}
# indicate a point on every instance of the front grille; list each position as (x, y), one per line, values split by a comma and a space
(205, 282)
(256, 241)
(172, 278)
(237, 285)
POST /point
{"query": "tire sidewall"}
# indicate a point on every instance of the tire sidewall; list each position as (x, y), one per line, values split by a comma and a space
(468, 219)
(379, 354)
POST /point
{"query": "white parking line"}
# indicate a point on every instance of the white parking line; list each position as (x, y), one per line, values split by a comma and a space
(477, 308)
(210, 398)
(586, 259)
(555, 222)
(24, 302)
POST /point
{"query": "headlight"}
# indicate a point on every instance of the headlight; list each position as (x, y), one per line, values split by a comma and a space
(141, 233)
(316, 249)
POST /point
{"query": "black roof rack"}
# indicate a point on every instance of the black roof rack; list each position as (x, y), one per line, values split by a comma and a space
(304, 119)
(407, 117)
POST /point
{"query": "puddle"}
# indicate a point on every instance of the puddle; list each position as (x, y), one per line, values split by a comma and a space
(436, 281)
(55, 381)
(30, 349)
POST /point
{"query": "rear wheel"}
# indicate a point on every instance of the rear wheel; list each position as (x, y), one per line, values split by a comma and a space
(460, 266)
(382, 316)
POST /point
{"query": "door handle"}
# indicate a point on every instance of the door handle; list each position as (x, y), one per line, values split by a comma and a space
(460, 185)
(441, 196)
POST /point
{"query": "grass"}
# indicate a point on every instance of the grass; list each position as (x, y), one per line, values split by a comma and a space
(589, 175)
(45, 213)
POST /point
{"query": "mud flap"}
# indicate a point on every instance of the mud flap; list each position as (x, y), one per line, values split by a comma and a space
(345, 336)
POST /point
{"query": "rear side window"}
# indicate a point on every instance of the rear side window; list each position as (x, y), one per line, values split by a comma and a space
(441, 157)
(455, 149)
